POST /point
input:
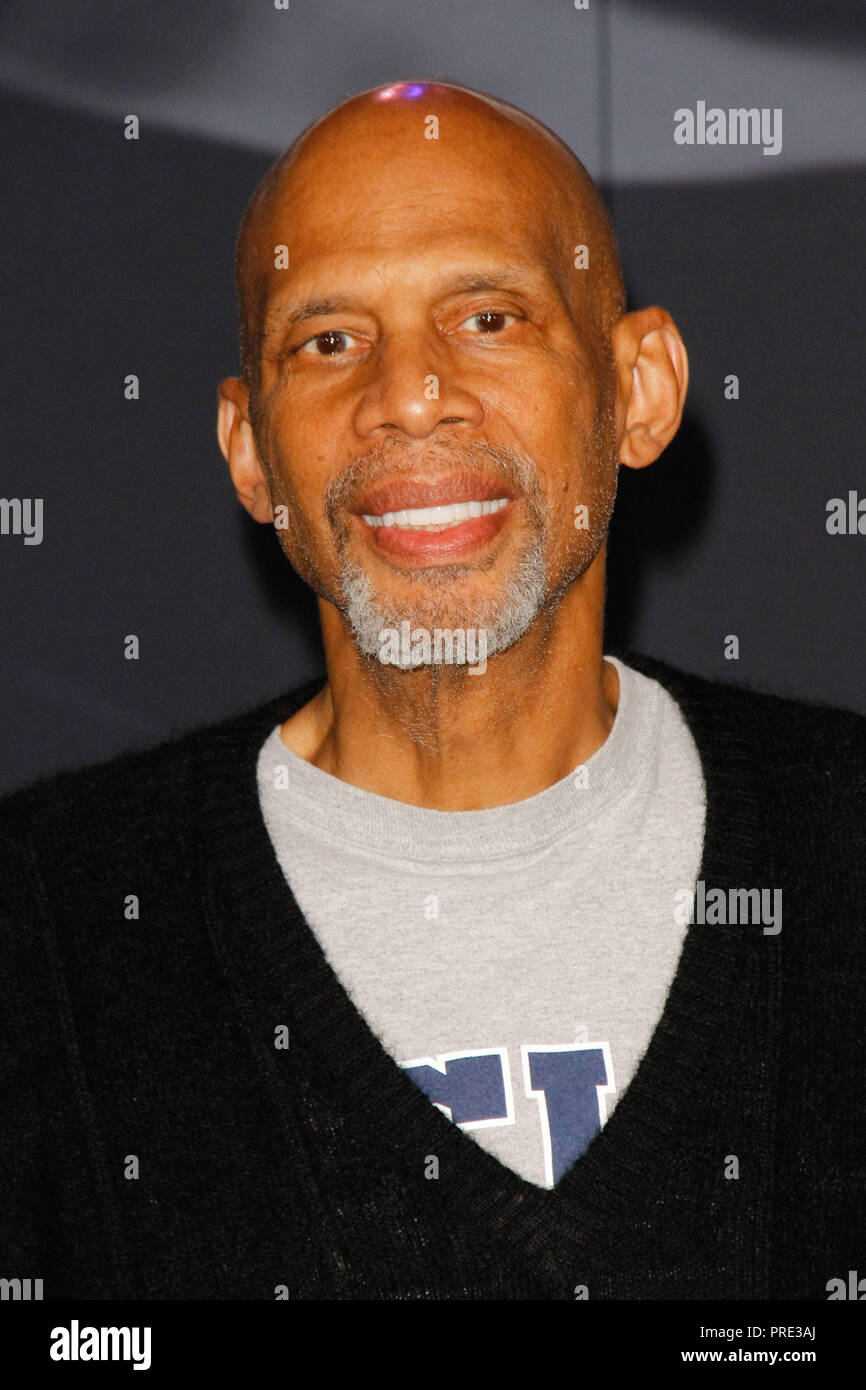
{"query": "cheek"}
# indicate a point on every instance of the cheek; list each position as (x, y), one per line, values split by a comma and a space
(552, 397)
(307, 453)
(576, 479)
(302, 450)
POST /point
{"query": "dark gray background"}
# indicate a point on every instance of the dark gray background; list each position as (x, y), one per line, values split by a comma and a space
(118, 258)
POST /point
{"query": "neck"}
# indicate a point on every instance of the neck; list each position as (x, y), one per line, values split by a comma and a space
(440, 737)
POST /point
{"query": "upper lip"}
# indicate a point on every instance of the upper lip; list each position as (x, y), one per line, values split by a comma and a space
(405, 493)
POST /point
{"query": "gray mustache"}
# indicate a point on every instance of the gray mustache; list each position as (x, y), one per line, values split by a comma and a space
(393, 461)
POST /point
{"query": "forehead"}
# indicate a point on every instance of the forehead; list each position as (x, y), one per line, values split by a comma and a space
(376, 190)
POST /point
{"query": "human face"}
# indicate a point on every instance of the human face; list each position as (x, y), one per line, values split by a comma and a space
(431, 345)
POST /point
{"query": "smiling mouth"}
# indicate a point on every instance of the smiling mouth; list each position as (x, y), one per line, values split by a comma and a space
(438, 518)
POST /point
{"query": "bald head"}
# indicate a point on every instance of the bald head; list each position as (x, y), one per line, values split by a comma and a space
(483, 153)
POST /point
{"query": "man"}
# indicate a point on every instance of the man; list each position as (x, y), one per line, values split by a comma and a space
(489, 966)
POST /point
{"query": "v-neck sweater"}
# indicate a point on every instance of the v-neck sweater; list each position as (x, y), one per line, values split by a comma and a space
(194, 1108)
(472, 940)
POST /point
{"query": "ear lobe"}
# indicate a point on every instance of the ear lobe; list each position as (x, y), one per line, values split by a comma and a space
(238, 447)
(653, 375)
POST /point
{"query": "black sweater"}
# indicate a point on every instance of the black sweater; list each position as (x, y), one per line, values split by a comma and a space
(266, 1170)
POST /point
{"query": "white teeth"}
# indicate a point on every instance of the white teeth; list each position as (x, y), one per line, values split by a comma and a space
(434, 518)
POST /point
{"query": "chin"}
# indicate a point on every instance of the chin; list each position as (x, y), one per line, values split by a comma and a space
(497, 613)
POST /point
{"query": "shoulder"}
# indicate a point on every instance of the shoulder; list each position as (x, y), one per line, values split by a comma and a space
(786, 735)
(103, 810)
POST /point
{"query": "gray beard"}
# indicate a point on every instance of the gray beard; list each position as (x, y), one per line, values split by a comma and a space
(504, 618)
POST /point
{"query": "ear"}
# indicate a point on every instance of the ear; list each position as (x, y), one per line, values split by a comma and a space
(652, 369)
(238, 446)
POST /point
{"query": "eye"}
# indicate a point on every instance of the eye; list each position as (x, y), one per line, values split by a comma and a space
(331, 343)
(490, 320)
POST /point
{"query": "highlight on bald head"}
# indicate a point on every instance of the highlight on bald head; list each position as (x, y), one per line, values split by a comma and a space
(545, 174)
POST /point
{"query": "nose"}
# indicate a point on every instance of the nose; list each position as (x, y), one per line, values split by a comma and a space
(414, 388)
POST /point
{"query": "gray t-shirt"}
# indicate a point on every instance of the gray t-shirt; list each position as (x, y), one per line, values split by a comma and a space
(516, 960)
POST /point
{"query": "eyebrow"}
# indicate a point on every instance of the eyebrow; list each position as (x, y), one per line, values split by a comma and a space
(313, 309)
(462, 284)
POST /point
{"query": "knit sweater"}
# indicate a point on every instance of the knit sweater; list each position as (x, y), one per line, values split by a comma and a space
(192, 1106)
